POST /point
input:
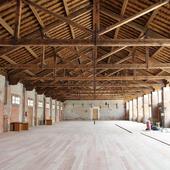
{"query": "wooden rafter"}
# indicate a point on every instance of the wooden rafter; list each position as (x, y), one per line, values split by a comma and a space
(96, 27)
(60, 17)
(86, 43)
(91, 75)
(13, 62)
(125, 21)
(110, 53)
(103, 78)
(37, 16)
(136, 26)
(140, 36)
(130, 66)
(49, 28)
(125, 2)
(71, 30)
(6, 26)
(18, 19)
(31, 52)
(106, 86)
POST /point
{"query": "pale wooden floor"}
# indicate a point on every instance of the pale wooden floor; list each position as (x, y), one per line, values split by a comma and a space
(82, 146)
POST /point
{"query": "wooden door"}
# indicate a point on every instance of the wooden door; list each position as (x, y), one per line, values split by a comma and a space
(30, 116)
(95, 114)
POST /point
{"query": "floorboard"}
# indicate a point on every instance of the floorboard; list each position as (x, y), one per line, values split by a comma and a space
(81, 145)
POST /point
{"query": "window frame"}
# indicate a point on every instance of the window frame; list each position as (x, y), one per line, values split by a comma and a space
(30, 102)
(47, 105)
(15, 99)
(40, 105)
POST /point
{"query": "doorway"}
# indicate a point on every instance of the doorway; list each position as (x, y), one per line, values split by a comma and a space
(95, 114)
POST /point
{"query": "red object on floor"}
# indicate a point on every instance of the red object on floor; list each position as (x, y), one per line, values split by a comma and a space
(148, 125)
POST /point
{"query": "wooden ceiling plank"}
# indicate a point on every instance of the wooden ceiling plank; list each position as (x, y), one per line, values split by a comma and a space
(37, 16)
(141, 13)
(101, 66)
(125, 2)
(110, 53)
(4, 57)
(48, 28)
(71, 30)
(4, 2)
(141, 56)
(65, 19)
(10, 30)
(118, 62)
(141, 36)
(13, 62)
(72, 16)
(28, 47)
(31, 52)
(136, 26)
(96, 27)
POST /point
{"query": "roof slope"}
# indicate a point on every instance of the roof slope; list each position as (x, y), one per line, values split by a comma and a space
(83, 49)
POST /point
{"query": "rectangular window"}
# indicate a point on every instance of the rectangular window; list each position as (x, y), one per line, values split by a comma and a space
(40, 104)
(30, 102)
(53, 106)
(47, 106)
(15, 99)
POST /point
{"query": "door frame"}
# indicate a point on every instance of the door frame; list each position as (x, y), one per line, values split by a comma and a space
(91, 113)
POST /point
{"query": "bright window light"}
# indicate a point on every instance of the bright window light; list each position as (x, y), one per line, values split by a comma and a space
(30, 102)
(15, 100)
